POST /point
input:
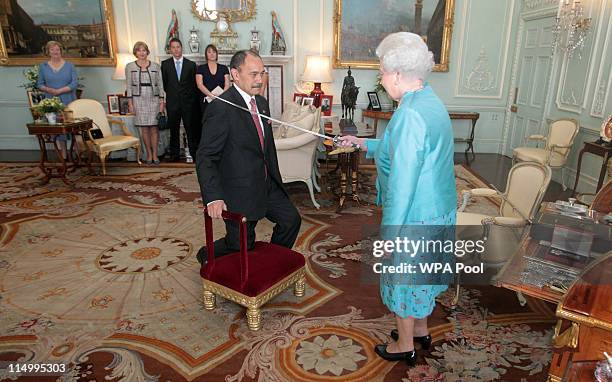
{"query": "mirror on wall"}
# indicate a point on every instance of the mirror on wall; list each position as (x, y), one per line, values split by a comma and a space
(230, 10)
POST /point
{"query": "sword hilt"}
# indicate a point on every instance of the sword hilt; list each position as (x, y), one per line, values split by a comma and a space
(336, 141)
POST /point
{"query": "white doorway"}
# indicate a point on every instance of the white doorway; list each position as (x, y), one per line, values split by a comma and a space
(532, 81)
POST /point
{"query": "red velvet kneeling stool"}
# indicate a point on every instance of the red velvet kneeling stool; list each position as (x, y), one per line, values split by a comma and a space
(250, 278)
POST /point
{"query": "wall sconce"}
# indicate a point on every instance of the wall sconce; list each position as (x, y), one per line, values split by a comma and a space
(571, 28)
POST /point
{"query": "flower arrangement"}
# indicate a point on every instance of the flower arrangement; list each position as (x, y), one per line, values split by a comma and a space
(31, 75)
(50, 105)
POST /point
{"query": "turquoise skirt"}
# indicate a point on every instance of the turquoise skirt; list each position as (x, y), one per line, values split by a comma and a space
(415, 296)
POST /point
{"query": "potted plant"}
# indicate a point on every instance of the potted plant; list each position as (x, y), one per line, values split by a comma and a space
(31, 76)
(50, 107)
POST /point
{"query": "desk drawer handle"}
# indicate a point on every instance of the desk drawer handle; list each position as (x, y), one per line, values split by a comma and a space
(568, 338)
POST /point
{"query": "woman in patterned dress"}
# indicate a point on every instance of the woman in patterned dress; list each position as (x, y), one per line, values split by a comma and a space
(145, 90)
(416, 187)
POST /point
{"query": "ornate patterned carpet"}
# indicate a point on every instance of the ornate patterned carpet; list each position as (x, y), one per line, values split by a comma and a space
(102, 277)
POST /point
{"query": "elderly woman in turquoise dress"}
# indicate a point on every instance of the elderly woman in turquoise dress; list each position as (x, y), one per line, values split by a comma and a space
(416, 185)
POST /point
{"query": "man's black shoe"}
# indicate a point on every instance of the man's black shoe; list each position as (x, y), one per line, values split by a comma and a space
(202, 255)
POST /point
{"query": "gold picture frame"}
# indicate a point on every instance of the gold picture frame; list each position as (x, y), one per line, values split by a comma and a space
(95, 45)
(343, 60)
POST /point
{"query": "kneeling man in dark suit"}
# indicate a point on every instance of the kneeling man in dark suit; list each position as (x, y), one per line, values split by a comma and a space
(237, 165)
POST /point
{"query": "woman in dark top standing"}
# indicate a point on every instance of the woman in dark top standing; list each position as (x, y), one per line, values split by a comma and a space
(210, 75)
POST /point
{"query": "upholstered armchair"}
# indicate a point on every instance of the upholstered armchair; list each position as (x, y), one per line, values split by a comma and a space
(103, 146)
(249, 277)
(296, 149)
(557, 146)
(525, 188)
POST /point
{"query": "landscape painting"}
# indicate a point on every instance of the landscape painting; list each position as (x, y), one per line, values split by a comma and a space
(85, 28)
(360, 25)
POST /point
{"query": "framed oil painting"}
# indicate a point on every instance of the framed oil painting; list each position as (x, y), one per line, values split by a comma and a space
(360, 25)
(85, 28)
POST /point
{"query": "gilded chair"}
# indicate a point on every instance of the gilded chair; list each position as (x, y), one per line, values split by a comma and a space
(558, 145)
(525, 188)
(296, 150)
(600, 202)
(249, 278)
(103, 146)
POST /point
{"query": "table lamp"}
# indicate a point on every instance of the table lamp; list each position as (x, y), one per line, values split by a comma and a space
(317, 70)
(122, 60)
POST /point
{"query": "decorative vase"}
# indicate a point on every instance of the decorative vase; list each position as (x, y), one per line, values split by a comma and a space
(194, 41)
(51, 118)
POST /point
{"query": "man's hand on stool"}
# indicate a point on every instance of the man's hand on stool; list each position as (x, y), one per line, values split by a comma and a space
(216, 208)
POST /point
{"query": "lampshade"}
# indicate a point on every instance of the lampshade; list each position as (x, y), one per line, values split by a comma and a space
(318, 69)
(122, 60)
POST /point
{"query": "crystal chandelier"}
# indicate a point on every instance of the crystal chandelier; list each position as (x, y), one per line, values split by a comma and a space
(571, 28)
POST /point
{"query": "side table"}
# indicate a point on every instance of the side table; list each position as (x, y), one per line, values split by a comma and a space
(348, 162)
(46, 133)
(600, 150)
(469, 115)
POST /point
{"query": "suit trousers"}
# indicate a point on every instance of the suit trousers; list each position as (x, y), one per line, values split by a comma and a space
(280, 211)
(193, 128)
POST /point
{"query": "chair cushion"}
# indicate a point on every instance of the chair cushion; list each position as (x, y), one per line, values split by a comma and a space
(268, 264)
(534, 154)
(301, 116)
(114, 143)
(468, 218)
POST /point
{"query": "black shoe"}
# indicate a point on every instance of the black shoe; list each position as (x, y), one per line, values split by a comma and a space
(425, 341)
(409, 357)
(202, 255)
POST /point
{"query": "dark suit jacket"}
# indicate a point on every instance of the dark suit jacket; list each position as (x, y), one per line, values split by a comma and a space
(230, 161)
(180, 93)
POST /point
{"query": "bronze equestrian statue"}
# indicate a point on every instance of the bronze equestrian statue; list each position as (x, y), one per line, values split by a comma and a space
(349, 96)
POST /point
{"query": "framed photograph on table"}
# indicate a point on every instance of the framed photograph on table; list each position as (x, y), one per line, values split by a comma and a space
(34, 97)
(374, 101)
(307, 101)
(326, 104)
(113, 103)
(297, 97)
(124, 105)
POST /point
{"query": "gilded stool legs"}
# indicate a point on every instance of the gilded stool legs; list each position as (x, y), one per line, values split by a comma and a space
(253, 318)
(209, 300)
(299, 287)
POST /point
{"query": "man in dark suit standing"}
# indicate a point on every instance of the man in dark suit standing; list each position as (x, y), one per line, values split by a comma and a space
(237, 165)
(178, 74)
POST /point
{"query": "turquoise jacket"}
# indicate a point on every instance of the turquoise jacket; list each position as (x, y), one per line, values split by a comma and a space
(414, 159)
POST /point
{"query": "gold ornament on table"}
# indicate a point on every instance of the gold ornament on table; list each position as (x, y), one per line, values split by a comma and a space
(605, 134)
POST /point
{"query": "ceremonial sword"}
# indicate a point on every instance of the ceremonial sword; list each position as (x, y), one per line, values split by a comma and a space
(335, 140)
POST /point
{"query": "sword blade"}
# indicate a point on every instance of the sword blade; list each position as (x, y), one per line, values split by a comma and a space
(273, 119)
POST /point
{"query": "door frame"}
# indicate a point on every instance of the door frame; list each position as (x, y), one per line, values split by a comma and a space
(524, 17)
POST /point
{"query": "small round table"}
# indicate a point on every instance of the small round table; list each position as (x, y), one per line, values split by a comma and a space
(348, 160)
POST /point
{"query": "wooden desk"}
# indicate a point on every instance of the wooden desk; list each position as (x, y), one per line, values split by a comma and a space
(584, 325)
(594, 148)
(46, 133)
(387, 114)
(584, 328)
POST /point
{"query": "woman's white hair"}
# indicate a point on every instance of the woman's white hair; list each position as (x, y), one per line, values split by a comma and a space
(406, 53)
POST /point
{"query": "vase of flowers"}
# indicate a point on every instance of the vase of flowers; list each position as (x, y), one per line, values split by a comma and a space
(50, 107)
